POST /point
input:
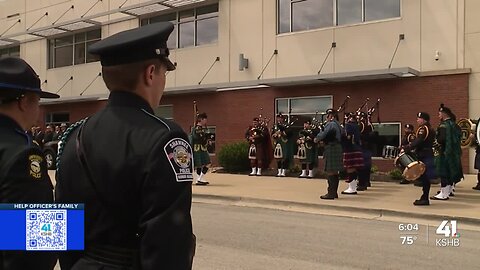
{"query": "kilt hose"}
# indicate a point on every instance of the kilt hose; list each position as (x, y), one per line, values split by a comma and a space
(333, 157)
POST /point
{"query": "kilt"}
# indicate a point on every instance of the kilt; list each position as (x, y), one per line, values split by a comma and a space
(353, 160)
(200, 157)
(333, 157)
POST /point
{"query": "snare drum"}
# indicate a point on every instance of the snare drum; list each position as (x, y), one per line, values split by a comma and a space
(390, 152)
(412, 168)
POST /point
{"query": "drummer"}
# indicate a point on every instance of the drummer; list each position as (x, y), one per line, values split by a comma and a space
(421, 147)
(408, 137)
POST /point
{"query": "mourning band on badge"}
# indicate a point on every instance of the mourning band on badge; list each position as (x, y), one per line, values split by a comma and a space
(35, 168)
(180, 156)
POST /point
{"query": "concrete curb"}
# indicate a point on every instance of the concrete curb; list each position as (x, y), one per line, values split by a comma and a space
(380, 212)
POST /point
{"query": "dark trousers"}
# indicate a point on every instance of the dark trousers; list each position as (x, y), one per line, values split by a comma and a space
(364, 176)
(425, 186)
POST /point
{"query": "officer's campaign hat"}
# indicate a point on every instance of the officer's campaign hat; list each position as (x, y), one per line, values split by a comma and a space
(135, 45)
(425, 116)
(18, 77)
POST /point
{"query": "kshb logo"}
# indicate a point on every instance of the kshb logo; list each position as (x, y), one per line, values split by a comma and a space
(448, 228)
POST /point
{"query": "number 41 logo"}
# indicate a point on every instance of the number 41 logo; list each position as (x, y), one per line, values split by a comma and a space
(46, 227)
(448, 230)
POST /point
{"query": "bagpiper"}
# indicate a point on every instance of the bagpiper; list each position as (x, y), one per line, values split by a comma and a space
(307, 150)
(258, 137)
(200, 141)
(282, 148)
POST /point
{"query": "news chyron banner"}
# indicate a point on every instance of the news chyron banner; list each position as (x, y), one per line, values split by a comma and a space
(42, 227)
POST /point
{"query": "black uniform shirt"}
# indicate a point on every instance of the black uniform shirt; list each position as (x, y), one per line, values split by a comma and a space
(423, 142)
(139, 193)
(23, 179)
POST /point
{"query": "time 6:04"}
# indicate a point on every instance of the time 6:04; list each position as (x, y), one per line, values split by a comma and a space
(407, 227)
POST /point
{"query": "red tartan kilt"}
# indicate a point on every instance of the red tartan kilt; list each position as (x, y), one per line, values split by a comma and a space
(353, 160)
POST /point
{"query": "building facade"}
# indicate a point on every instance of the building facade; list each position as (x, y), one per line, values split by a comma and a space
(241, 58)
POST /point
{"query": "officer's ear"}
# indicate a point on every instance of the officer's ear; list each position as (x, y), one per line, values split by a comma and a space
(149, 74)
(25, 101)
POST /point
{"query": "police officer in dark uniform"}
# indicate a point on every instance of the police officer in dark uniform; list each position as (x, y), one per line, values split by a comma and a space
(422, 148)
(408, 137)
(132, 170)
(23, 169)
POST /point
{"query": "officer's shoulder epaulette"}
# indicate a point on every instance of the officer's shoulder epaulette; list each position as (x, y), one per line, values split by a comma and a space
(64, 137)
(158, 119)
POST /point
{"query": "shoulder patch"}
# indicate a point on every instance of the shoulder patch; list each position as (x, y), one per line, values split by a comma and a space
(179, 154)
(35, 162)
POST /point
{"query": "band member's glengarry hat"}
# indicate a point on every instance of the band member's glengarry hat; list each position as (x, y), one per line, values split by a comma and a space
(446, 110)
(18, 77)
(135, 45)
(425, 116)
(331, 111)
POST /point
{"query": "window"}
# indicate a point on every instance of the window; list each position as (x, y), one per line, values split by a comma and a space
(384, 134)
(72, 49)
(57, 118)
(377, 10)
(193, 27)
(349, 11)
(10, 52)
(164, 111)
(299, 15)
(303, 108)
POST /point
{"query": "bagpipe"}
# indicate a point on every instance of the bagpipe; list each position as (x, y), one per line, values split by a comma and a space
(202, 132)
(364, 117)
(258, 131)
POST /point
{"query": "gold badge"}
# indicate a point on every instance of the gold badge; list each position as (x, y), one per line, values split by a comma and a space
(35, 166)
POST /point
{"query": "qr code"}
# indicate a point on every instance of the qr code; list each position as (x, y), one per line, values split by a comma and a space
(46, 230)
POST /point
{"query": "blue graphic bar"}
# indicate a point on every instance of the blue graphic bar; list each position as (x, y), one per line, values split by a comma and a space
(46, 227)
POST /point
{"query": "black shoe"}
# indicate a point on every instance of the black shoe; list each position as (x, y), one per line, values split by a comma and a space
(421, 202)
(328, 196)
(199, 183)
(477, 187)
(404, 182)
(362, 188)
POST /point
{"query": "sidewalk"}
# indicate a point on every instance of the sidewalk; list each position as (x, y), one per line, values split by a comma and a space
(383, 198)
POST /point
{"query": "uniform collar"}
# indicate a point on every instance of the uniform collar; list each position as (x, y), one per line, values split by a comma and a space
(6, 121)
(128, 99)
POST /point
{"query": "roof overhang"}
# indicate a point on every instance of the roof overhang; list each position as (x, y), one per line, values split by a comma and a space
(146, 8)
(380, 74)
(76, 99)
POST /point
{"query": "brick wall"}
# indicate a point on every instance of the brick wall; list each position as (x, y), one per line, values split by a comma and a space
(232, 111)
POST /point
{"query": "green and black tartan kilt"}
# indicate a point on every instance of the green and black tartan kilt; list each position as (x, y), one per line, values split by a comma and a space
(333, 156)
(200, 156)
